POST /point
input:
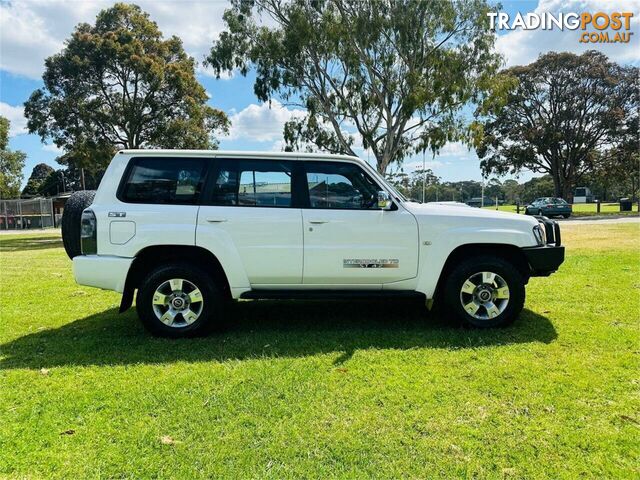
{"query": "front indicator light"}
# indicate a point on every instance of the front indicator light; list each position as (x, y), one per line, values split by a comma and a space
(540, 234)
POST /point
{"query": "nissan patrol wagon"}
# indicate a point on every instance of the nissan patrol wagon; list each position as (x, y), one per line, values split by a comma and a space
(191, 230)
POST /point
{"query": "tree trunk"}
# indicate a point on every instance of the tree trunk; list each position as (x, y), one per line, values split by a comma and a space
(382, 162)
(557, 185)
(567, 190)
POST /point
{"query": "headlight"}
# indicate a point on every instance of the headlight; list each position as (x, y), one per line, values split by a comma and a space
(540, 234)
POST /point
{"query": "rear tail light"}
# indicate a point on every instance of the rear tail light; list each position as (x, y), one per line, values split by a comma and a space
(88, 233)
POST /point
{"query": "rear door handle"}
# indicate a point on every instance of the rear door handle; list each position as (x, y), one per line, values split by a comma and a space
(318, 222)
(216, 220)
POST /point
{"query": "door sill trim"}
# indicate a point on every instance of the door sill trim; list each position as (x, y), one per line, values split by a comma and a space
(328, 294)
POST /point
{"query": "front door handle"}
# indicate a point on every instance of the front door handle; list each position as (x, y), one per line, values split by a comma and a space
(216, 220)
(318, 222)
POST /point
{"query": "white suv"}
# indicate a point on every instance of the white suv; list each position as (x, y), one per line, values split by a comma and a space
(191, 230)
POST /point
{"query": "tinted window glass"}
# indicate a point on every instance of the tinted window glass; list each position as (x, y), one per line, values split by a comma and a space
(164, 180)
(255, 183)
(340, 185)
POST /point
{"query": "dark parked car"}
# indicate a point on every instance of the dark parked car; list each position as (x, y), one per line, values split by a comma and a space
(549, 207)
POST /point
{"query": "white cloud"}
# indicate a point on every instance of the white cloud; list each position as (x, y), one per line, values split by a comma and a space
(16, 117)
(33, 30)
(521, 47)
(278, 145)
(417, 165)
(454, 149)
(261, 123)
(50, 147)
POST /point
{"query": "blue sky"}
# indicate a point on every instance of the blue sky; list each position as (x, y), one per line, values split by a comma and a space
(32, 30)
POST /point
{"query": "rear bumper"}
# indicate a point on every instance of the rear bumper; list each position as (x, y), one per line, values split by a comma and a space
(544, 260)
(557, 211)
(101, 271)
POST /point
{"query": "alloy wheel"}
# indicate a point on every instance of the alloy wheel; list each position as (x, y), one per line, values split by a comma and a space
(177, 302)
(484, 295)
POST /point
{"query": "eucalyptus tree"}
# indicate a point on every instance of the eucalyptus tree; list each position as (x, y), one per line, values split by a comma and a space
(391, 74)
(563, 112)
(120, 84)
(37, 178)
(11, 163)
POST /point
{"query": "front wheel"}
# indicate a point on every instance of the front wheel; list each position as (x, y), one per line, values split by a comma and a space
(180, 300)
(485, 291)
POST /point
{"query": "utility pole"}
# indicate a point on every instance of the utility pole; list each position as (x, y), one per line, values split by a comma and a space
(424, 175)
(82, 178)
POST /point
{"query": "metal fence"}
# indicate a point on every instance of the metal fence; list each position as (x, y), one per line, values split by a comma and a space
(26, 214)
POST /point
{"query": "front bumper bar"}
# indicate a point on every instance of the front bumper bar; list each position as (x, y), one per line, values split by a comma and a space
(545, 259)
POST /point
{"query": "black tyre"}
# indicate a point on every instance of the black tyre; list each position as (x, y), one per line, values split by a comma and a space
(70, 223)
(180, 300)
(566, 215)
(484, 291)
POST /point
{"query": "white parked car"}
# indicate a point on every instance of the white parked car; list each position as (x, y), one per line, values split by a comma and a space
(191, 230)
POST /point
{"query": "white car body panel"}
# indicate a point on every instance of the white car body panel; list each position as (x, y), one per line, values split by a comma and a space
(278, 248)
(267, 241)
(101, 271)
(443, 228)
(333, 237)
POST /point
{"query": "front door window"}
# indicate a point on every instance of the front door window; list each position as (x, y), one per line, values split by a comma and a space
(335, 185)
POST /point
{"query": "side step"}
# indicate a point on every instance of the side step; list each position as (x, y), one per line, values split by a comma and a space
(329, 294)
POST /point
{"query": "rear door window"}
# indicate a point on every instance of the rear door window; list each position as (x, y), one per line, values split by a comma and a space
(164, 180)
(252, 183)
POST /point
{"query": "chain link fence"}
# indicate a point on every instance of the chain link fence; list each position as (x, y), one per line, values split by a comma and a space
(27, 214)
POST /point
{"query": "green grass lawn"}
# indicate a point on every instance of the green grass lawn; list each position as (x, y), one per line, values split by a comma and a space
(324, 389)
(581, 209)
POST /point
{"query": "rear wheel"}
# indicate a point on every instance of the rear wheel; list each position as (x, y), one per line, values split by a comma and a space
(566, 215)
(485, 291)
(180, 300)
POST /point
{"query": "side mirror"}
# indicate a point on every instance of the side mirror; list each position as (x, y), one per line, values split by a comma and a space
(384, 201)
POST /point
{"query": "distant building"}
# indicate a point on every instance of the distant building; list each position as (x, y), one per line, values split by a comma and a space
(582, 195)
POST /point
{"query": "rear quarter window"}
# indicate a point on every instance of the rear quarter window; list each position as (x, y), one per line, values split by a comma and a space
(163, 180)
